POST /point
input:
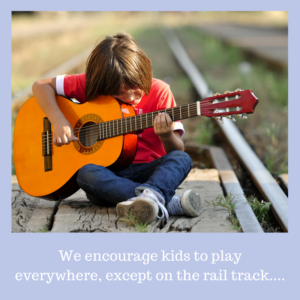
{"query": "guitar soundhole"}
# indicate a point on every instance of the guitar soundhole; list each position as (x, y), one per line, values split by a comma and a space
(88, 134)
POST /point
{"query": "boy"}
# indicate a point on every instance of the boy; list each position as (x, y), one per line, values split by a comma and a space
(119, 68)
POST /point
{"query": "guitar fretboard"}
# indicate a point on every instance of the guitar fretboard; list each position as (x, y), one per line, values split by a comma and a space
(140, 122)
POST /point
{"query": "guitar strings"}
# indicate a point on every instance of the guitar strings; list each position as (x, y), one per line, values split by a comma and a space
(188, 109)
(168, 109)
(140, 122)
(147, 115)
(107, 132)
(93, 129)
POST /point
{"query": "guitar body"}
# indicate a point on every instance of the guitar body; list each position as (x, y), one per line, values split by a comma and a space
(46, 171)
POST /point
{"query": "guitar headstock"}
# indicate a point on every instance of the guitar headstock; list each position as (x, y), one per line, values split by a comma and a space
(228, 104)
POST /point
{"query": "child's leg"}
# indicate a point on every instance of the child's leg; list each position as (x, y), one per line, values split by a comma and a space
(103, 185)
(162, 177)
(99, 201)
(169, 172)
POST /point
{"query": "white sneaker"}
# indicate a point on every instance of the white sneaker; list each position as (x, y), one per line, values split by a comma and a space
(144, 207)
(191, 203)
(188, 204)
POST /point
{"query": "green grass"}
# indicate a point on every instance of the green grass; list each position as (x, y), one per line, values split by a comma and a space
(261, 209)
(210, 53)
(227, 202)
(43, 230)
(275, 161)
(267, 129)
(206, 131)
(137, 224)
(276, 164)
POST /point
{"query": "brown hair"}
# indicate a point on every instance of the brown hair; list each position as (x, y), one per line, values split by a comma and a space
(117, 61)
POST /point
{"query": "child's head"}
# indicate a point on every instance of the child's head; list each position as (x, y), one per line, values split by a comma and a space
(117, 64)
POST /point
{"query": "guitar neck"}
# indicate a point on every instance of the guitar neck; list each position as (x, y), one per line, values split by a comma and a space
(143, 121)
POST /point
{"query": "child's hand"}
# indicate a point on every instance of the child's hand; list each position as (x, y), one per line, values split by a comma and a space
(63, 133)
(163, 125)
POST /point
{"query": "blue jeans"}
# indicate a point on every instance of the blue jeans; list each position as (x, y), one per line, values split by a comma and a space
(106, 188)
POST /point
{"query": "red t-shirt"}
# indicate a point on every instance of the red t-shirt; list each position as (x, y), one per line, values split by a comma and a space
(160, 97)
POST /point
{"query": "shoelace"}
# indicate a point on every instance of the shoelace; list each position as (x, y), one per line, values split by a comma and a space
(163, 209)
(155, 197)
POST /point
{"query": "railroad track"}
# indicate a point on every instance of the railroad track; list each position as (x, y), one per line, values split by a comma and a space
(259, 174)
(262, 178)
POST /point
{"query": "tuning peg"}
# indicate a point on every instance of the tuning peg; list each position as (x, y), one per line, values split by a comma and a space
(238, 90)
(216, 100)
(226, 92)
(219, 118)
(241, 116)
(231, 118)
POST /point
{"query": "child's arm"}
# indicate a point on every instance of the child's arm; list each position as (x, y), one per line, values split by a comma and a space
(163, 127)
(44, 91)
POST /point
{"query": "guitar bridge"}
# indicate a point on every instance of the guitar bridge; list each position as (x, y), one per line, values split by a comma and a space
(47, 145)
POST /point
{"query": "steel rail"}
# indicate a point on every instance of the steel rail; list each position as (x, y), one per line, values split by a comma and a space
(262, 178)
(243, 211)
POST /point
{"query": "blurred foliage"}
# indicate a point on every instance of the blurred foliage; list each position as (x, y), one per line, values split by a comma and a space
(227, 68)
(206, 131)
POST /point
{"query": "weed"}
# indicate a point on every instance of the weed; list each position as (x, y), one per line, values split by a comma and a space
(275, 161)
(206, 130)
(272, 158)
(260, 208)
(132, 221)
(283, 167)
(141, 227)
(43, 230)
(227, 202)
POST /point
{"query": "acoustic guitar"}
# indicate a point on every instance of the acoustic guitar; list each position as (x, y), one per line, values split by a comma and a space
(107, 131)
